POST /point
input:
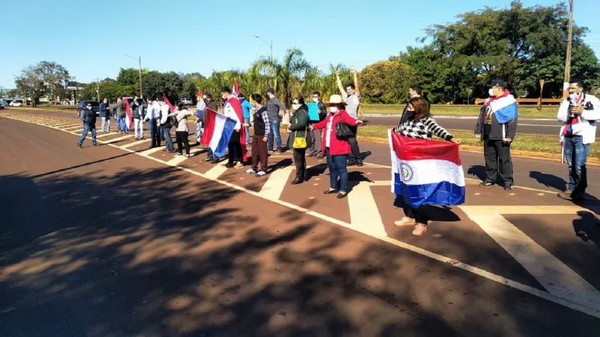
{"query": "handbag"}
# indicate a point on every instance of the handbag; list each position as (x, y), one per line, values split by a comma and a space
(342, 131)
(300, 143)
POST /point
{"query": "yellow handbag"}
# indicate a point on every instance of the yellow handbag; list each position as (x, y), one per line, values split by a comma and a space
(300, 143)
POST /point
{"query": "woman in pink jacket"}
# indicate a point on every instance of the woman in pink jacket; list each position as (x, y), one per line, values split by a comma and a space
(336, 150)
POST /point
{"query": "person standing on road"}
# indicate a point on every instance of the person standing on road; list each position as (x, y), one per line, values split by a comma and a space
(182, 130)
(137, 113)
(420, 126)
(336, 149)
(579, 114)
(246, 107)
(274, 106)
(316, 143)
(299, 138)
(105, 115)
(212, 105)
(352, 99)
(89, 124)
(121, 113)
(200, 106)
(413, 92)
(497, 135)
(259, 139)
(235, 147)
(165, 126)
(153, 117)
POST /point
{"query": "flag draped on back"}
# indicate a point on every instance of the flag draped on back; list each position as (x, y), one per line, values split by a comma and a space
(504, 107)
(217, 132)
(129, 116)
(171, 107)
(426, 172)
(237, 107)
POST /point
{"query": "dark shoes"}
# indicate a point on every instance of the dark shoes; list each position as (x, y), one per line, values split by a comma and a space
(229, 165)
(507, 187)
(486, 183)
(566, 195)
(330, 191)
(297, 181)
(342, 195)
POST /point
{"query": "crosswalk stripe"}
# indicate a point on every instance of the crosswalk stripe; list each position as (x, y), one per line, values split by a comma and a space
(114, 140)
(364, 213)
(274, 186)
(216, 171)
(553, 274)
(132, 144)
(180, 159)
(107, 134)
(148, 152)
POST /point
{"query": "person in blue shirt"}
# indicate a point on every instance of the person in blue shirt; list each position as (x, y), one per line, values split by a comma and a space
(246, 108)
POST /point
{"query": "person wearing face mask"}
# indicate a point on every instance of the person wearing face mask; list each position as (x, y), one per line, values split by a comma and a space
(233, 110)
(336, 149)
(299, 138)
(259, 139)
(352, 99)
(579, 114)
(274, 107)
(316, 144)
(497, 128)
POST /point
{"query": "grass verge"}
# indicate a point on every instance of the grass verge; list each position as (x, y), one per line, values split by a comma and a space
(537, 146)
(459, 110)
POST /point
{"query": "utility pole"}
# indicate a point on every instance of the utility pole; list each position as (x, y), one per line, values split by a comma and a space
(140, 71)
(569, 47)
(98, 88)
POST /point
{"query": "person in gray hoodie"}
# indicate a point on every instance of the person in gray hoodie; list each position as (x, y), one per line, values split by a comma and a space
(274, 105)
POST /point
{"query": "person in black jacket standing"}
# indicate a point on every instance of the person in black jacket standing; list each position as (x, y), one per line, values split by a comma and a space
(89, 124)
(497, 139)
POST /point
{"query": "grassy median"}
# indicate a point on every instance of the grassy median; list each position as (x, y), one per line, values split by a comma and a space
(526, 145)
(459, 110)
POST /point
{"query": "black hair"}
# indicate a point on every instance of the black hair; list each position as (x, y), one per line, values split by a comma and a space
(207, 95)
(317, 93)
(351, 86)
(240, 95)
(180, 106)
(578, 82)
(417, 88)
(257, 98)
(226, 89)
(302, 103)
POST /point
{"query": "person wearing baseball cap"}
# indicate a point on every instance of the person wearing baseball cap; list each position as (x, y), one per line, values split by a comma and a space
(497, 128)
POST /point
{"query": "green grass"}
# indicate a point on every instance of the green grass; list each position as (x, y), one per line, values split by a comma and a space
(530, 143)
(526, 111)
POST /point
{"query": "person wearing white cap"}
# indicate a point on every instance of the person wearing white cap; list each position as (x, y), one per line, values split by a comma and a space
(336, 146)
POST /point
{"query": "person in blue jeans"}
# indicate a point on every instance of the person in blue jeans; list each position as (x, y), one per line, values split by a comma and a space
(165, 126)
(89, 124)
(274, 107)
(246, 108)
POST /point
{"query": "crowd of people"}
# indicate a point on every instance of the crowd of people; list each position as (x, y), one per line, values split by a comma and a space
(333, 134)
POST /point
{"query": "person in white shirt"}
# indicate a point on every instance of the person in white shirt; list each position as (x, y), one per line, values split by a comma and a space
(165, 126)
(152, 117)
(200, 106)
(579, 114)
(235, 147)
(352, 99)
(182, 130)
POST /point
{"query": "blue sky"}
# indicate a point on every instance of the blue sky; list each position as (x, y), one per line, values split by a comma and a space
(92, 38)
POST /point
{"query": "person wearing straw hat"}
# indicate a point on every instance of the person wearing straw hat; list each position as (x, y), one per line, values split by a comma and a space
(336, 146)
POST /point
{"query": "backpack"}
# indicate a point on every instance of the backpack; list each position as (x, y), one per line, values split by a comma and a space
(173, 121)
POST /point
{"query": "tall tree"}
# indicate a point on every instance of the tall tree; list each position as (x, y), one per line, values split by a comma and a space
(53, 75)
(386, 82)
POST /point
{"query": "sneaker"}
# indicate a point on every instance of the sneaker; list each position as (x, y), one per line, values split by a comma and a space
(251, 171)
(420, 229)
(188, 155)
(178, 155)
(238, 165)
(507, 187)
(330, 191)
(342, 195)
(280, 151)
(486, 183)
(208, 159)
(359, 163)
(229, 165)
(565, 195)
(406, 221)
(79, 145)
(260, 174)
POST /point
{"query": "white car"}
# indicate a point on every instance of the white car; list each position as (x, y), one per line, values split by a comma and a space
(16, 103)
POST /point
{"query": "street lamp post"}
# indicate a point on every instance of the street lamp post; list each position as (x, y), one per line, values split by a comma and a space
(268, 44)
(139, 59)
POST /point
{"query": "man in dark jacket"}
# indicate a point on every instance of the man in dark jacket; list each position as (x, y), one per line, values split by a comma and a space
(137, 112)
(496, 138)
(89, 124)
(105, 116)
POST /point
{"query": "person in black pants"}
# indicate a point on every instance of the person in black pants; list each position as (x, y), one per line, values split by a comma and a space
(299, 129)
(497, 139)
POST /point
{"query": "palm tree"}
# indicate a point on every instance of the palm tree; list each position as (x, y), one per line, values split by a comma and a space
(283, 75)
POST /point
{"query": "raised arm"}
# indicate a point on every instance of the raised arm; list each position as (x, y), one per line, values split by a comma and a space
(339, 84)
(356, 89)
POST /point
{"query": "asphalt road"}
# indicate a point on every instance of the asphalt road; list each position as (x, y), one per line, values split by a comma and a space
(113, 241)
(526, 125)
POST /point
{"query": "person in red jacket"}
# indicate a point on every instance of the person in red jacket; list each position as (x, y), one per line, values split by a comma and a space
(336, 150)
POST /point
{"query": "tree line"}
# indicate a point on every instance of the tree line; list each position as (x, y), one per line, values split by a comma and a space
(453, 64)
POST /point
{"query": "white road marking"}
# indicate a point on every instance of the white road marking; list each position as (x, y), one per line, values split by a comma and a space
(145, 153)
(553, 274)
(364, 213)
(138, 142)
(178, 160)
(452, 262)
(114, 140)
(277, 181)
(215, 172)
(107, 134)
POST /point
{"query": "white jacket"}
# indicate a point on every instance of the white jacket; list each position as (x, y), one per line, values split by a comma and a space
(586, 127)
(229, 112)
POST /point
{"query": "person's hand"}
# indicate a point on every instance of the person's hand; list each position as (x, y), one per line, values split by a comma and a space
(265, 138)
(311, 128)
(456, 141)
(478, 135)
(577, 110)
(353, 71)
(237, 130)
(507, 140)
(359, 122)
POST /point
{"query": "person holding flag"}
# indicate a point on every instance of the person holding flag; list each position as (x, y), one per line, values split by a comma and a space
(497, 128)
(579, 114)
(237, 143)
(425, 172)
(165, 109)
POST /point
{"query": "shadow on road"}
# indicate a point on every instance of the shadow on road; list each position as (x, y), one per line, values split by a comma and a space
(549, 180)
